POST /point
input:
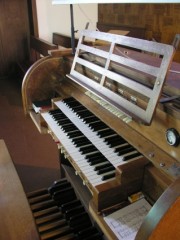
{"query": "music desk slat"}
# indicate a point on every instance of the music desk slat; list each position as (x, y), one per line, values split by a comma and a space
(16, 221)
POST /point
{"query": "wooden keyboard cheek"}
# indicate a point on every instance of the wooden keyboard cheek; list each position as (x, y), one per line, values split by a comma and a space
(132, 171)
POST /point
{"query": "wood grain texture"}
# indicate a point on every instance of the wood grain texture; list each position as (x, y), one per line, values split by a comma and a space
(162, 221)
(161, 21)
(14, 34)
(16, 220)
(42, 80)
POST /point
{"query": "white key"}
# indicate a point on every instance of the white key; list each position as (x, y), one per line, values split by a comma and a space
(82, 163)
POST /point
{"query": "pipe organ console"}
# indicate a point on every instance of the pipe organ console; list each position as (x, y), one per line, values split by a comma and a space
(114, 114)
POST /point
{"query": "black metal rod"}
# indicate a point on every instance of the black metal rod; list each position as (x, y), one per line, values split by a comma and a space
(72, 30)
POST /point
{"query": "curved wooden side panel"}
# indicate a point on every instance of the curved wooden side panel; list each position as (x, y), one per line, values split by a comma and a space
(42, 80)
(163, 220)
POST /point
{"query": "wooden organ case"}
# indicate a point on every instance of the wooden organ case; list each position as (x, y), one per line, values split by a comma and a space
(114, 115)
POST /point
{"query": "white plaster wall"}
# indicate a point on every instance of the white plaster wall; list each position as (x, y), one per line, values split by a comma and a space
(56, 18)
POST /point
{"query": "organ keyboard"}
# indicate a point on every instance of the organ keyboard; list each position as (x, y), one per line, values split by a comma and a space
(106, 118)
(98, 151)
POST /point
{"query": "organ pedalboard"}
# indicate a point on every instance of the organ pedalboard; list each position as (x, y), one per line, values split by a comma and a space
(59, 214)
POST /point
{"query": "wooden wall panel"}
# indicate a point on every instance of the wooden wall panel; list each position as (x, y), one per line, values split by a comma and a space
(14, 33)
(161, 21)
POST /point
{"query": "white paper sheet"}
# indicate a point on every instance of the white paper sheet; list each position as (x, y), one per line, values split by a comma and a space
(126, 222)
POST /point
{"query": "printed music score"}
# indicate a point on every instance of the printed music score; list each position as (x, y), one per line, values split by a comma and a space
(126, 222)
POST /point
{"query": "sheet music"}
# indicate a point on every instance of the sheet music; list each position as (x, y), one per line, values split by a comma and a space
(126, 221)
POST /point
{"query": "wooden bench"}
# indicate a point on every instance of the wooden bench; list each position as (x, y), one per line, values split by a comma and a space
(62, 40)
(136, 32)
(40, 47)
(61, 44)
(16, 220)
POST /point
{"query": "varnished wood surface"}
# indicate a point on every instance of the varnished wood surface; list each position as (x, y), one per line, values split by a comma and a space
(161, 21)
(36, 85)
(14, 31)
(133, 136)
(163, 220)
(137, 32)
(136, 138)
(16, 221)
(62, 40)
(41, 46)
(38, 79)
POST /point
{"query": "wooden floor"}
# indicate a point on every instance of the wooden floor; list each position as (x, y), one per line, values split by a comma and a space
(35, 156)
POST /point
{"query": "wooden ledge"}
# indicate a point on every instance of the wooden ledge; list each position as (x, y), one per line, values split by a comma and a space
(60, 52)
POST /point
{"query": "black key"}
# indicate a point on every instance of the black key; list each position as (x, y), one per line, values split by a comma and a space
(105, 170)
(91, 154)
(54, 111)
(121, 147)
(84, 114)
(68, 129)
(82, 144)
(95, 123)
(131, 156)
(74, 133)
(108, 176)
(67, 124)
(106, 164)
(110, 138)
(128, 149)
(79, 219)
(98, 126)
(117, 142)
(115, 138)
(98, 154)
(63, 121)
(58, 187)
(78, 108)
(96, 161)
(73, 105)
(90, 119)
(59, 116)
(80, 112)
(64, 195)
(88, 149)
(80, 139)
(106, 132)
(74, 211)
(68, 100)
(70, 205)
(64, 126)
